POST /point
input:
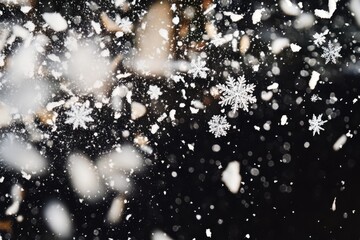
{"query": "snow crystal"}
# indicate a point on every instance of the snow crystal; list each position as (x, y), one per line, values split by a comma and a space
(327, 14)
(79, 115)
(218, 125)
(237, 93)
(316, 123)
(332, 52)
(294, 47)
(256, 17)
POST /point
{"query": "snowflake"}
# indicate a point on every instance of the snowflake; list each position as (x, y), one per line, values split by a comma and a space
(218, 40)
(237, 94)
(154, 92)
(198, 68)
(315, 98)
(218, 125)
(125, 24)
(319, 39)
(331, 52)
(316, 123)
(79, 115)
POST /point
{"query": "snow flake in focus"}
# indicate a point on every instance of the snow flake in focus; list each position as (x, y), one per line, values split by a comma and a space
(219, 125)
(78, 115)
(331, 52)
(316, 123)
(197, 68)
(319, 39)
(237, 93)
(154, 92)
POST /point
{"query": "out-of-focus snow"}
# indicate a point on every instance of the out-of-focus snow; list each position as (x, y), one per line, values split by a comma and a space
(315, 76)
(256, 17)
(289, 8)
(327, 14)
(231, 176)
(340, 142)
(58, 219)
(55, 21)
(279, 44)
(116, 209)
(85, 177)
(355, 8)
(17, 197)
(159, 235)
(21, 156)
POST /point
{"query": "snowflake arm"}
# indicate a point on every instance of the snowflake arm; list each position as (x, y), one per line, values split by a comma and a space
(218, 126)
(237, 93)
(79, 115)
(331, 52)
(316, 123)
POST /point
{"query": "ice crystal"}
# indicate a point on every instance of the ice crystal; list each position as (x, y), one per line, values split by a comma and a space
(316, 123)
(319, 38)
(197, 68)
(237, 93)
(218, 125)
(154, 92)
(79, 115)
(331, 52)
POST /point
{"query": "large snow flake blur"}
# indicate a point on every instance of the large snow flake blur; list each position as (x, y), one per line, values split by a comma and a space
(79, 115)
(237, 93)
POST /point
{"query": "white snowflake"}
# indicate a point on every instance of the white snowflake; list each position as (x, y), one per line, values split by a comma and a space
(315, 98)
(125, 24)
(319, 39)
(154, 92)
(316, 123)
(197, 68)
(78, 115)
(331, 52)
(218, 125)
(237, 93)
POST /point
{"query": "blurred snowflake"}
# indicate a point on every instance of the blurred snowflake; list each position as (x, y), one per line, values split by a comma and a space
(219, 125)
(79, 115)
(197, 68)
(316, 123)
(331, 52)
(237, 93)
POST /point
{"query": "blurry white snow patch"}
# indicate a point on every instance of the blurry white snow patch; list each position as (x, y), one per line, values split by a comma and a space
(305, 20)
(315, 76)
(208, 232)
(273, 86)
(116, 209)
(244, 44)
(87, 70)
(26, 91)
(17, 2)
(355, 9)
(279, 44)
(333, 205)
(5, 116)
(58, 219)
(137, 110)
(21, 156)
(55, 21)
(231, 176)
(126, 159)
(160, 235)
(340, 142)
(294, 47)
(283, 120)
(327, 14)
(85, 177)
(256, 17)
(289, 8)
(17, 197)
(153, 42)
